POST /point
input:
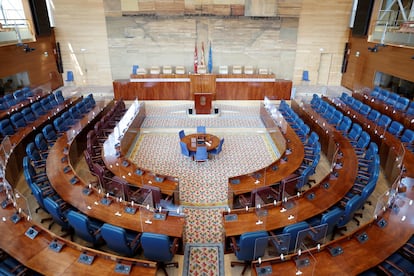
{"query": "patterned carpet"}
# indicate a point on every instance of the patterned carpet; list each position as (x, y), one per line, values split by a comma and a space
(204, 260)
(203, 187)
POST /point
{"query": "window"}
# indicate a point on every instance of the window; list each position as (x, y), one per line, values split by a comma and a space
(15, 26)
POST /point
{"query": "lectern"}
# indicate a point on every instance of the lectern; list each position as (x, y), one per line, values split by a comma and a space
(203, 89)
(202, 103)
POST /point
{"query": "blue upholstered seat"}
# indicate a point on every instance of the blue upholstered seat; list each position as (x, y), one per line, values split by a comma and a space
(119, 240)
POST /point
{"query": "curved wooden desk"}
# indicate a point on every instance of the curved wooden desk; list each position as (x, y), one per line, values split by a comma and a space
(36, 254)
(90, 205)
(304, 208)
(123, 167)
(279, 169)
(210, 140)
(357, 256)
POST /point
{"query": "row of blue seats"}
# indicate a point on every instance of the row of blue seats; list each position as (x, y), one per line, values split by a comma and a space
(29, 114)
(18, 96)
(312, 147)
(156, 247)
(393, 99)
(394, 127)
(367, 153)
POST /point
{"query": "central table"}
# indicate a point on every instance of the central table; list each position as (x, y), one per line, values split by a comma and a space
(201, 139)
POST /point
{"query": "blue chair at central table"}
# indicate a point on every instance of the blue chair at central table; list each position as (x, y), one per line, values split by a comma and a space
(201, 154)
(219, 148)
(201, 129)
(181, 134)
(185, 151)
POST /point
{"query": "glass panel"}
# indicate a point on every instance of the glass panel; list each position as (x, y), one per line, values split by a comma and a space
(311, 237)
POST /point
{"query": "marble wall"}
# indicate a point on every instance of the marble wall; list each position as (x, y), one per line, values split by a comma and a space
(161, 40)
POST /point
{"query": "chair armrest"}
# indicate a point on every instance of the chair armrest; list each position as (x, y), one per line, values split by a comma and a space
(135, 240)
(174, 246)
(234, 244)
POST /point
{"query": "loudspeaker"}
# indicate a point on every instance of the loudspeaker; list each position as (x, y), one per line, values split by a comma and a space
(362, 18)
(40, 17)
(190, 111)
(58, 56)
(345, 60)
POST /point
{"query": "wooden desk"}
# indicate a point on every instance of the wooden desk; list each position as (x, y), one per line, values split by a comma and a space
(270, 175)
(356, 257)
(303, 207)
(389, 146)
(178, 87)
(36, 254)
(125, 168)
(90, 205)
(192, 144)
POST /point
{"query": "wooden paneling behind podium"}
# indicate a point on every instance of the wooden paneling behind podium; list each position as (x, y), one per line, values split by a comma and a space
(226, 87)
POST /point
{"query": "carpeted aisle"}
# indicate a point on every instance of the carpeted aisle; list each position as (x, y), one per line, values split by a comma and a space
(203, 187)
(203, 259)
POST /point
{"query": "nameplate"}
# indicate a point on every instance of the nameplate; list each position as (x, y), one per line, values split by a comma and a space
(139, 172)
(125, 163)
(67, 169)
(363, 237)
(235, 181)
(31, 233)
(130, 210)
(159, 216)
(265, 270)
(122, 268)
(56, 246)
(5, 203)
(335, 251)
(86, 259)
(87, 191)
(159, 179)
(74, 180)
(15, 218)
(106, 201)
(302, 262)
(231, 217)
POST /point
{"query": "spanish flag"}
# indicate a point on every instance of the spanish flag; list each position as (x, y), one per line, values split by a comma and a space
(195, 58)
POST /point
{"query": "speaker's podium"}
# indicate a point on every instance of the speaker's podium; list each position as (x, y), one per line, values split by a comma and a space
(202, 103)
(203, 89)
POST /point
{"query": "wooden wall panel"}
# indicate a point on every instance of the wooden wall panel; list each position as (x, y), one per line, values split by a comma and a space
(323, 28)
(363, 64)
(41, 67)
(81, 32)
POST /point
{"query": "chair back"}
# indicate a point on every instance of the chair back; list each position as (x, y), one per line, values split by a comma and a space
(248, 250)
(184, 149)
(53, 208)
(82, 226)
(395, 128)
(49, 133)
(331, 218)
(41, 142)
(201, 154)
(17, 120)
(37, 109)
(157, 247)
(59, 97)
(28, 115)
(118, 240)
(293, 230)
(201, 129)
(181, 134)
(350, 208)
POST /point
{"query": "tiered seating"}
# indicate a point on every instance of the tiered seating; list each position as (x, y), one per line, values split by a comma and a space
(391, 99)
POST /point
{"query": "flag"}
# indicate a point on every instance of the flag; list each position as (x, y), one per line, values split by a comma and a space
(202, 59)
(210, 59)
(195, 58)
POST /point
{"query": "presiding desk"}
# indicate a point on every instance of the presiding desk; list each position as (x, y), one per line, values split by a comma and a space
(91, 204)
(314, 201)
(183, 86)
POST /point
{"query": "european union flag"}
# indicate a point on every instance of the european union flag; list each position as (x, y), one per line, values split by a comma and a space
(210, 60)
